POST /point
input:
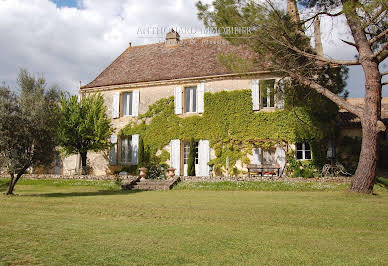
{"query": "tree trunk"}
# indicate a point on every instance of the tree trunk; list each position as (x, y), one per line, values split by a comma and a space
(11, 185)
(364, 178)
(83, 162)
(365, 175)
(14, 179)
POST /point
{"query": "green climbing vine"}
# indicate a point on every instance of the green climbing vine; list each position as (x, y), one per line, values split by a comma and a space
(228, 123)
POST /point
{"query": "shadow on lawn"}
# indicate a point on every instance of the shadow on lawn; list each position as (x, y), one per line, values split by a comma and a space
(382, 181)
(4, 185)
(86, 194)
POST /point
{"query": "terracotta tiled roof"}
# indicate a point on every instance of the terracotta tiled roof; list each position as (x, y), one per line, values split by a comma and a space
(196, 57)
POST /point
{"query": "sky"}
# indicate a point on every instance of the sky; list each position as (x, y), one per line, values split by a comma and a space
(68, 41)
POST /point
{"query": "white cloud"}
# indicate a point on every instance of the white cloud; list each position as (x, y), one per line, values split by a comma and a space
(69, 44)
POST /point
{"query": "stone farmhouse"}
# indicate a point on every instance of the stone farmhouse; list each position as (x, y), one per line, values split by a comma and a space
(186, 70)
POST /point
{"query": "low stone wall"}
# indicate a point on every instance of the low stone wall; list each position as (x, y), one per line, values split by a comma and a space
(264, 178)
(188, 178)
(84, 177)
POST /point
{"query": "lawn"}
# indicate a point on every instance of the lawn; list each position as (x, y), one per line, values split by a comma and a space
(84, 223)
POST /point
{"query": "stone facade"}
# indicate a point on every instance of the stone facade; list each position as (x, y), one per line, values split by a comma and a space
(150, 93)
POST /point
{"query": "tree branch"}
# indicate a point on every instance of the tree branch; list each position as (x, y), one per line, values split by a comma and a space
(350, 43)
(370, 21)
(384, 73)
(321, 13)
(382, 56)
(341, 102)
(382, 49)
(324, 59)
(378, 37)
(384, 83)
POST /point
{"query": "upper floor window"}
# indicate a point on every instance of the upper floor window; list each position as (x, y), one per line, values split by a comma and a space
(190, 99)
(267, 92)
(186, 152)
(303, 151)
(127, 101)
(125, 150)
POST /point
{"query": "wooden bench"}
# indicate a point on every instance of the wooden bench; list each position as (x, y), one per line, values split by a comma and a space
(262, 170)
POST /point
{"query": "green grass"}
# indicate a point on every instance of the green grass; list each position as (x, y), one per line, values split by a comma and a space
(93, 223)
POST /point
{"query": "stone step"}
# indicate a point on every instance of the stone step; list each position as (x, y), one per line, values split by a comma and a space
(152, 184)
(149, 187)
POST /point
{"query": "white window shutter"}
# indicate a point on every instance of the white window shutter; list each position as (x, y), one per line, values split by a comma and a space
(256, 156)
(175, 155)
(135, 148)
(279, 95)
(203, 157)
(113, 151)
(116, 105)
(135, 102)
(280, 157)
(178, 101)
(201, 94)
(255, 94)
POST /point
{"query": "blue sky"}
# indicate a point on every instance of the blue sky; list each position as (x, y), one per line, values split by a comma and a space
(65, 3)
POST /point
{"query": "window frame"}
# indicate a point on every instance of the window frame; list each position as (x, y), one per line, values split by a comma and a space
(186, 144)
(184, 104)
(268, 96)
(303, 150)
(130, 104)
(129, 150)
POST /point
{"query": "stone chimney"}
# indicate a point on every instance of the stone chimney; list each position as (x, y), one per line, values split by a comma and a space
(172, 38)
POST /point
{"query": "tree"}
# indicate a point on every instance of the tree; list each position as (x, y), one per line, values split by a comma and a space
(279, 37)
(142, 155)
(191, 162)
(84, 126)
(28, 126)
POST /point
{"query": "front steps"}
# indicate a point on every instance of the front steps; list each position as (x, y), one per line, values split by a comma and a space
(151, 184)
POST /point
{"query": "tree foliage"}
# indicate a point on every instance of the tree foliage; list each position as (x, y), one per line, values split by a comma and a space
(84, 126)
(28, 125)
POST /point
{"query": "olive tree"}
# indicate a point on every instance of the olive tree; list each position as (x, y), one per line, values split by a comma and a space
(28, 126)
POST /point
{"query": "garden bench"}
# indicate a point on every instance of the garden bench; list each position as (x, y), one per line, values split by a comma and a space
(262, 170)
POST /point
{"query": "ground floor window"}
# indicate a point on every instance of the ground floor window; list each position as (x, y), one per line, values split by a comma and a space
(303, 151)
(125, 150)
(264, 156)
(186, 152)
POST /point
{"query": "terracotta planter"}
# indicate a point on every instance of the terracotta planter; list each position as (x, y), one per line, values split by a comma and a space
(143, 173)
(170, 173)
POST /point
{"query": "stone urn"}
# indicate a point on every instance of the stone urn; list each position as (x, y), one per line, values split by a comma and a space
(143, 173)
(170, 173)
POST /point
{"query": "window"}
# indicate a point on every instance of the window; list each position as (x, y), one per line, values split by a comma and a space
(268, 157)
(303, 151)
(126, 150)
(190, 99)
(186, 151)
(267, 92)
(127, 103)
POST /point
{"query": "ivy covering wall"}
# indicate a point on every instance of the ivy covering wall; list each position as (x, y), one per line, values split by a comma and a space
(229, 124)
